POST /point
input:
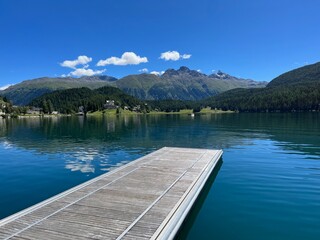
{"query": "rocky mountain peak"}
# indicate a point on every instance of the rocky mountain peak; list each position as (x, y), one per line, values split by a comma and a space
(182, 71)
(170, 72)
(220, 75)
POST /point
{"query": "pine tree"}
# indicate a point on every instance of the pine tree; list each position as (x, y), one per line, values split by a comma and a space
(45, 107)
(50, 106)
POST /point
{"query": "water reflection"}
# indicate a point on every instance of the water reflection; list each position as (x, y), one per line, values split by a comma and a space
(82, 161)
(67, 134)
(92, 146)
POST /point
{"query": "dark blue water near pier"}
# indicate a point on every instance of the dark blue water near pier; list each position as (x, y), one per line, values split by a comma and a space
(267, 187)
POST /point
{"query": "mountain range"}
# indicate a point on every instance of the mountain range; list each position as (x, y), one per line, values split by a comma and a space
(181, 84)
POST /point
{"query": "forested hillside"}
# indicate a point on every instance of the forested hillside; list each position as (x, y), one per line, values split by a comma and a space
(297, 90)
(69, 100)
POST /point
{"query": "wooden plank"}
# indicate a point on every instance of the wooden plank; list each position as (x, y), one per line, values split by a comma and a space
(147, 198)
(37, 233)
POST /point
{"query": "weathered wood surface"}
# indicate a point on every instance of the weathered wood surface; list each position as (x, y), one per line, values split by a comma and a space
(145, 199)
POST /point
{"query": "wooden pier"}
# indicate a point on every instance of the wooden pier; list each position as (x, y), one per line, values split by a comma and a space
(148, 198)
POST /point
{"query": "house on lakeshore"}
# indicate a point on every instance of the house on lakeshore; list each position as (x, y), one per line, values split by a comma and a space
(34, 111)
(136, 108)
(110, 104)
(80, 110)
(2, 108)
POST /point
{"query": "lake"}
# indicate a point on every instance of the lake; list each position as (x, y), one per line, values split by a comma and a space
(267, 185)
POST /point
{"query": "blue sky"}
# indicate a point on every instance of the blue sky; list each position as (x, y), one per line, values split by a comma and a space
(251, 39)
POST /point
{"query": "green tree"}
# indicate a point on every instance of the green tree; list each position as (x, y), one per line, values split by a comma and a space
(50, 106)
(44, 106)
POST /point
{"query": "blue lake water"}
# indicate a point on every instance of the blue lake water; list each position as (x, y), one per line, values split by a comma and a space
(266, 187)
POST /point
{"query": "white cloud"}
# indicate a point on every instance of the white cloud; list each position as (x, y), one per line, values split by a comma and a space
(127, 58)
(174, 56)
(157, 73)
(5, 87)
(144, 70)
(170, 55)
(199, 70)
(81, 60)
(85, 72)
(186, 56)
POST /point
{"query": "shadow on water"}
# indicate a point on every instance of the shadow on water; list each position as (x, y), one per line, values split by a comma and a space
(196, 208)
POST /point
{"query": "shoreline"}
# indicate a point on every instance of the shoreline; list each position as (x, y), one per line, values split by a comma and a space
(123, 113)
